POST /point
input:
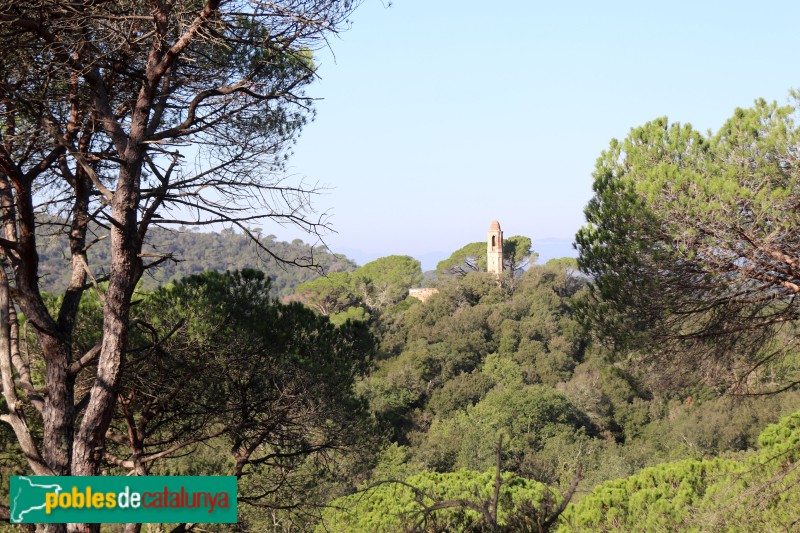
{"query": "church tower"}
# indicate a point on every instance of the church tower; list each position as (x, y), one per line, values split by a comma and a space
(494, 249)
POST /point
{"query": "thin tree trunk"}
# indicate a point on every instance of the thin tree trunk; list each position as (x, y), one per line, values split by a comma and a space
(125, 270)
(13, 418)
(90, 440)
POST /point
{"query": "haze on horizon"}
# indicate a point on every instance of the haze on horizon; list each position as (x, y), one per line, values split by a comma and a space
(436, 118)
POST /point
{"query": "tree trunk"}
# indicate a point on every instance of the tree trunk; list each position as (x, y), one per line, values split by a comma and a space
(125, 270)
(58, 407)
(14, 418)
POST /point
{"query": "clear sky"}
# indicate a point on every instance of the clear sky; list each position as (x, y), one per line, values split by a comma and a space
(439, 116)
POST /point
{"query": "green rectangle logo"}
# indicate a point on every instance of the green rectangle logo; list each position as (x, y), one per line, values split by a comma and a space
(122, 499)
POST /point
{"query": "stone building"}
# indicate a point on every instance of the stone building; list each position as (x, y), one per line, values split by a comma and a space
(422, 294)
(494, 260)
(494, 249)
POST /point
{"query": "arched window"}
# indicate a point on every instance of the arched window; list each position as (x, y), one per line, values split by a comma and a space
(494, 241)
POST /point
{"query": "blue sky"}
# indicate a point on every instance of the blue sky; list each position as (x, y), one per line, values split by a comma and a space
(437, 117)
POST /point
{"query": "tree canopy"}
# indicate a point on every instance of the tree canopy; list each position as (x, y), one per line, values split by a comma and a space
(691, 238)
(434, 502)
(197, 252)
(472, 257)
(222, 379)
(273, 381)
(386, 281)
(375, 286)
(750, 493)
(116, 117)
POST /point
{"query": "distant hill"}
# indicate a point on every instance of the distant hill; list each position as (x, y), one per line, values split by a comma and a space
(195, 252)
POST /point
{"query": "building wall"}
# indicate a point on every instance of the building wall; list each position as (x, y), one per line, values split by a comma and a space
(494, 249)
(422, 294)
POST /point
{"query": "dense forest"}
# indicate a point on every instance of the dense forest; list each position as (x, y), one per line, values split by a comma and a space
(404, 409)
(486, 372)
(192, 252)
(566, 396)
(650, 384)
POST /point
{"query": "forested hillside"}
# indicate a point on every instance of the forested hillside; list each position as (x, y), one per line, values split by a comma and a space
(755, 491)
(486, 372)
(409, 407)
(651, 384)
(192, 252)
(646, 369)
(486, 363)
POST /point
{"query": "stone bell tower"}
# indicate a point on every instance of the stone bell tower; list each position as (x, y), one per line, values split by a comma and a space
(494, 249)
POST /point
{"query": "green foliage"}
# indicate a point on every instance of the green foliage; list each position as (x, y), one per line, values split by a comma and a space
(354, 314)
(196, 252)
(375, 286)
(563, 262)
(386, 281)
(472, 257)
(745, 492)
(393, 463)
(477, 360)
(480, 359)
(503, 371)
(517, 252)
(463, 391)
(328, 294)
(469, 258)
(439, 360)
(391, 507)
(270, 384)
(754, 493)
(690, 242)
(527, 415)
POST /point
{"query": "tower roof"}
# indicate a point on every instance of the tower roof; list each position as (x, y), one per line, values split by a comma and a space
(495, 225)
